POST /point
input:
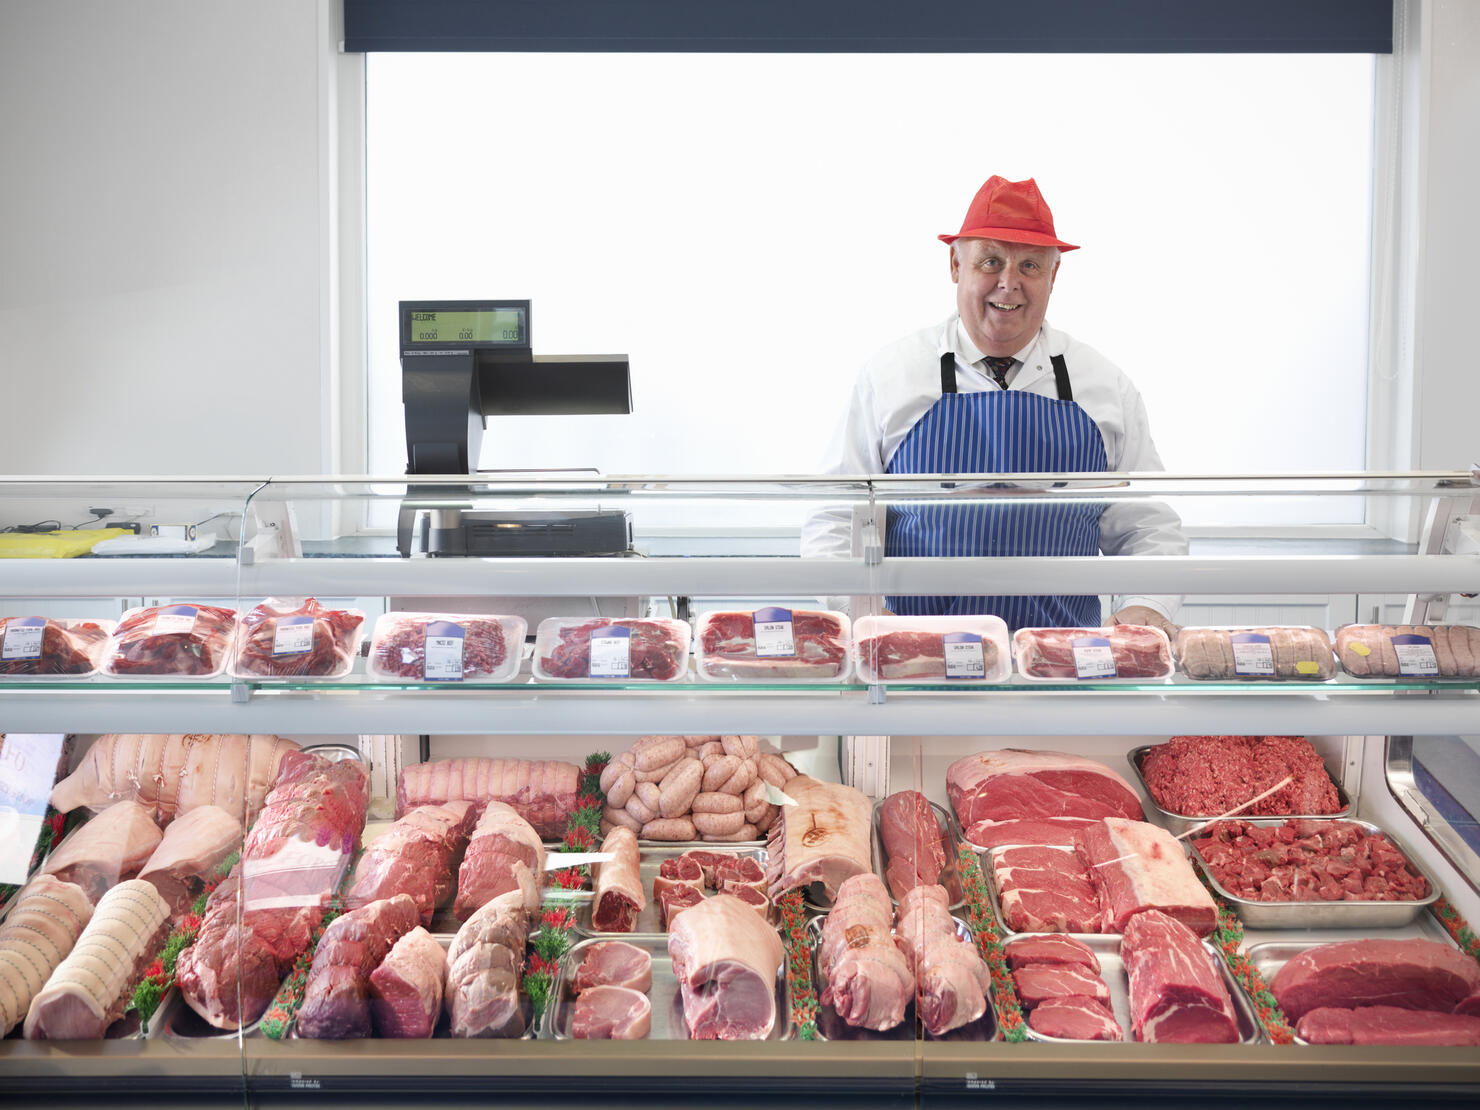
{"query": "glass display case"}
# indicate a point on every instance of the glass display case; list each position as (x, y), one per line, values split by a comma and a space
(710, 563)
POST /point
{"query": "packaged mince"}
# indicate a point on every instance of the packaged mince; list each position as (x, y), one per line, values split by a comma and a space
(1271, 654)
(297, 637)
(179, 641)
(446, 647)
(42, 647)
(947, 649)
(611, 649)
(773, 644)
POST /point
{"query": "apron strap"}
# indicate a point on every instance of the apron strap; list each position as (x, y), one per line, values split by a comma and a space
(948, 373)
(1061, 377)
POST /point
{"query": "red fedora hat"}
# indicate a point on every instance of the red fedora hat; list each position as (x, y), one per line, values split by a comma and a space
(1012, 211)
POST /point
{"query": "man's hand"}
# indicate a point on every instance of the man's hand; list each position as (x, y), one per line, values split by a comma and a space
(1144, 614)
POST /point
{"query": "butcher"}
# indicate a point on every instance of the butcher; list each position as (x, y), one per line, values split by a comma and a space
(994, 389)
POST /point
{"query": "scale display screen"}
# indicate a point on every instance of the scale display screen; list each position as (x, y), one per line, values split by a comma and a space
(473, 325)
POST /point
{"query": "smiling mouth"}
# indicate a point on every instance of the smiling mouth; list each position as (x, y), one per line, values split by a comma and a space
(1004, 307)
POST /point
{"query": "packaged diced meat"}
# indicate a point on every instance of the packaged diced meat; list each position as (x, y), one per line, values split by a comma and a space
(1118, 651)
(297, 637)
(39, 647)
(181, 641)
(1294, 653)
(446, 647)
(957, 650)
(1409, 651)
(611, 649)
(773, 644)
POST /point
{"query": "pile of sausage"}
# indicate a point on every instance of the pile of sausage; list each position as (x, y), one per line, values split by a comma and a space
(693, 788)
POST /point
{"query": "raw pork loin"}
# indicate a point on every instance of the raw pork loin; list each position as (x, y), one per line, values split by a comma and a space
(336, 999)
(194, 847)
(726, 959)
(483, 967)
(951, 979)
(1387, 1025)
(824, 838)
(611, 1013)
(543, 792)
(1028, 789)
(1410, 974)
(113, 846)
(615, 963)
(504, 854)
(406, 989)
(41, 928)
(1136, 866)
(1177, 995)
(1138, 651)
(414, 856)
(913, 842)
(865, 976)
(618, 897)
(727, 647)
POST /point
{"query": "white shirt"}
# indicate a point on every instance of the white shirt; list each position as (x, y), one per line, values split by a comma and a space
(900, 384)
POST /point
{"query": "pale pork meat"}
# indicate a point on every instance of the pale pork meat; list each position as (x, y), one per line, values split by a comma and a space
(951, 979)
(336, 998)
(174, 773)
(1136, 866)
(865, 977)
(824, 838)
(1020, 787)
(504, 854)
(611, 1013)
(619, 897)
(194, 846)
(108, 849)
(1177, 995)
(88, 990)
(543, 792)
(726, 959)
(41, 928)
(414, 856)
(483, 968)
(406, 989)
(614, 963)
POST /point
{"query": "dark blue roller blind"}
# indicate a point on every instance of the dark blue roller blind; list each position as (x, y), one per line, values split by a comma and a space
(873, 26)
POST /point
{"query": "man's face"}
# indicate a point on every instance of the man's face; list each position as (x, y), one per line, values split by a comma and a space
(1002, 291)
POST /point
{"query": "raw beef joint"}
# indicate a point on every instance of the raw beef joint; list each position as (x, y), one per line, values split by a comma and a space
(1209, 776)
(824, 838)
(194, 847)
(1410, 974)
(171, 640)
(279, 638)
(543, 792)
(504, 854)
(864, 976)
(914, 844)
(1137, 651)
(951, 979)
(41, 928)
(1177, 995)
(406, 989)
(336, 998)
(414, 856)
(67, 647)
(1136, 867)
(484, 963)
(727, 960)
(611, 1013)
(1387, 1025)
(619, 897)
(1013, 785)
(727, 647)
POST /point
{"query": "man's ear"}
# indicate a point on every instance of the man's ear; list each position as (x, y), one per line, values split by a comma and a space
(955, 264)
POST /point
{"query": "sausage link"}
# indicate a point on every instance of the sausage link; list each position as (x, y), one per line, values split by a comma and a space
(679, 786)
(719, 824)
(653, 752)
(670, 828)
(714, 802)
(619, 791)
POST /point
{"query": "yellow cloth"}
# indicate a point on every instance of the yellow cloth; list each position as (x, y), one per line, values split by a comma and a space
(55, 545)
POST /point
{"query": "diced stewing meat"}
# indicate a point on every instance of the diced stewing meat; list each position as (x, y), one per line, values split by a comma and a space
(726, 959)
(612, 1013)
(1177, 994)
(111, 847)
(824, 838)
(406, 989)
(1305, 860)
(43, 925)
(194, 847)
(543, 792)
(504, 853)
(950, 976)
(913, 842)
(1136, 866)
(657, 648)
(87, 991)
(614, 963)
(865, 976)
(618, 897)
(483, 967)
(414, 856)
(336, 998)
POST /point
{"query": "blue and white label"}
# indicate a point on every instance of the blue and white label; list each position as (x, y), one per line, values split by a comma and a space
(294, 636)
(172, 620)
(773, 635)
(442, 656)
(1415, 655)
(1252, 655)
(23, 638)
(611, 652)
(1093, 657)
(963, 655)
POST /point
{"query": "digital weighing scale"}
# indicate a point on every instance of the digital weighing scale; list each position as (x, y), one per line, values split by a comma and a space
(462, 362)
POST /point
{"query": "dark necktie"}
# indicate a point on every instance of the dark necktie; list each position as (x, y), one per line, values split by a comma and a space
(998, 366)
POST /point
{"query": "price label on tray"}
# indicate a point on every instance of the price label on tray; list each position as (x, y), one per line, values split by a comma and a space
(293, 636)
(174, 620)
(773, 634)
(442, 658)
(963, 655)
(611, 653)
(23, 638)
(1415, 655)
(1093, 657)
(1252, 655)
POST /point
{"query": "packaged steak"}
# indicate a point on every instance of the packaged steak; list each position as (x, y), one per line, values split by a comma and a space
(773, 644)
(611, 649)
(1409, 651)
(950, 649)
(38, 647)
(178, 641)
(446, 647)
(1120, 651)
(296, 638)
(1294, 653)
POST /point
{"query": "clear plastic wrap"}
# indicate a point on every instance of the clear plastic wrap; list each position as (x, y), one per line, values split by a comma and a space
(965, 650)
(446, 647)
(1409, 651)
(611, 649)
(39, 647)
(773, 644)
(179, 641)
(297, 637)
(1294, 653)
(1117, 652)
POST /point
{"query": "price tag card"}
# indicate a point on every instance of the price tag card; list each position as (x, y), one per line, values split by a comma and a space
(28, 770)
(1415, 655)
(1093, 657)
(773, 635)
(442, 657)
(173, 620)
(1252, 655)
(294, 636)
(963, 655)
(611, 653)
(23, 638)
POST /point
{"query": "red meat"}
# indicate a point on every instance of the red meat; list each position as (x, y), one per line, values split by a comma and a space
(728, 644)
(1139, 652)
(137, 648)
(67, 647)
(400, 650)
(329, 654)
(1207, 776)
(657, 650)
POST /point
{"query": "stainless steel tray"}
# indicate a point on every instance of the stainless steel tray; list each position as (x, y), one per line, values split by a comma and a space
(1321, 914)
(667, 1001)
(950, 876)
(649, 921)
(1178, 823)
(1112, 972)
(831, 1027)
(989, 874)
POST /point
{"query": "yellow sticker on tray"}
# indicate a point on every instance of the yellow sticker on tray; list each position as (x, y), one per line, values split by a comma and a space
(1361, 649)
(1307, 666)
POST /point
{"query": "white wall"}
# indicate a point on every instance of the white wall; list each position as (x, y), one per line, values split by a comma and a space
(170, 268)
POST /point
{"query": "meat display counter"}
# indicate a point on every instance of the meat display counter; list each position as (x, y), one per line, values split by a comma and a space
(1404, 558)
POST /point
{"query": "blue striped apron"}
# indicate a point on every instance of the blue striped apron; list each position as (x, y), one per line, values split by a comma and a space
(1000, 432)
